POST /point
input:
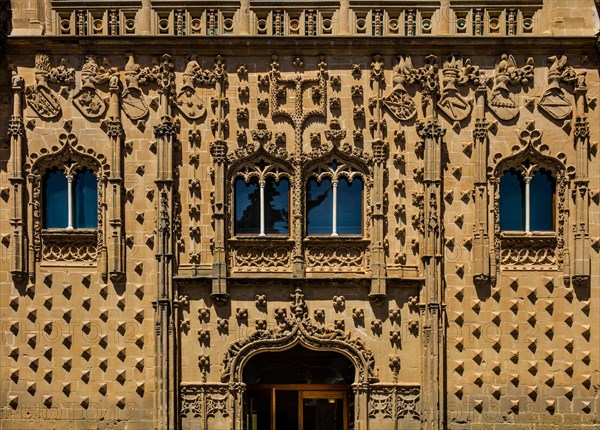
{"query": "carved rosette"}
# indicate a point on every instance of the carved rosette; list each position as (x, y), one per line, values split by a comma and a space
(481, 129)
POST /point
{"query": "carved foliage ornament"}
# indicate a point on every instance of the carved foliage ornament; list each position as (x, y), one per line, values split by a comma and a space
(298, 330)
(391, 402)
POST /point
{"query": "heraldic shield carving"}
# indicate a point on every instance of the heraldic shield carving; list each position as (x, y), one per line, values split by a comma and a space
(399, 102)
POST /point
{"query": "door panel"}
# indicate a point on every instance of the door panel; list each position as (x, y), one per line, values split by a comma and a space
(298, 407)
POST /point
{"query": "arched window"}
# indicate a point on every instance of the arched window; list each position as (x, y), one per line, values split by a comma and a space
(70, 200)
(334, 201)
(527, 200)
(261, 201)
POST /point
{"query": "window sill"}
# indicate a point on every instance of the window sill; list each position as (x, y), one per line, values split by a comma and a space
(340, 238)
(257, 238)
(78, 246)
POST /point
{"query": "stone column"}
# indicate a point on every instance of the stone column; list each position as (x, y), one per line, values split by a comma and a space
(581, 270)
(16, 132)
(481, 257)
(218, 150)
(378, 267)
(115, 181)
(166, 397)
(432, 307)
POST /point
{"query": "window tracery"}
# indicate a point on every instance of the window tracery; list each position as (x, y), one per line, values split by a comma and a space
(67, 189)
(529, 206)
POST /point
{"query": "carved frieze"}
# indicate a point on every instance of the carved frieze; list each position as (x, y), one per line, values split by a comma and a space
(394, 402)
(336, 256)
(252, 256)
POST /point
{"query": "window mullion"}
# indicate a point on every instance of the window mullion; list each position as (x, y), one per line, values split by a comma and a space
(334, 184)
(70, 202)
(527, 204)
(262, 208)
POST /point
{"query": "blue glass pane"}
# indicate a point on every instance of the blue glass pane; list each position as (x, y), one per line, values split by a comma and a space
(349, 206)
(541, 192)
(277, 206)
(55, 199)
(247, 207)
(512, 202)
(319, 207)
(85, 200)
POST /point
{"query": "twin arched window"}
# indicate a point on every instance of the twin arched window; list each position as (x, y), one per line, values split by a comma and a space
(334, 200)
(527, 200)
(70, 200)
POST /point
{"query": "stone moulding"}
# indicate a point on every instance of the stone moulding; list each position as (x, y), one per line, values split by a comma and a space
(303, 332)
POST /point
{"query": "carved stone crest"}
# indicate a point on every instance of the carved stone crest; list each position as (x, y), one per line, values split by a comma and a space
(40, 97)
(132, 98)
(502, 102)
(42, 101)
(399, 102)
(87, 99)
(457, 72)
(554, 101)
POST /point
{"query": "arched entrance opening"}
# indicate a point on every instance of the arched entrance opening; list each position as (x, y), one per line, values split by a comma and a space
(299, 389)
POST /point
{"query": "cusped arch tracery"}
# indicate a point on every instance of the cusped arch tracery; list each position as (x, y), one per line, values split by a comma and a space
(69, 157)
(298, 332)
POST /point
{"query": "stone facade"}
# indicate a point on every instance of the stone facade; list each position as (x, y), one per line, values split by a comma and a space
(148, 319)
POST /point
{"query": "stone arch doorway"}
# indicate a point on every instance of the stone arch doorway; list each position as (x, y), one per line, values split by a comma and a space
(298, 388)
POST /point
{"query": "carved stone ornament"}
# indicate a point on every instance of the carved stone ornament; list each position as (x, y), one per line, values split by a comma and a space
(554, 101)
(132, 99)
(40, 97)
(189, 103)
(70, 155)
(205, 401)
(87, 99)
(399, 102)
(298, 330)
(42, 101)
(393, 402)
(457, 72)
(502, 102)
(89, 103)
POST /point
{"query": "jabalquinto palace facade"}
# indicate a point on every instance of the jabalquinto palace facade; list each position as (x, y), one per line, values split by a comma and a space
(282, 215)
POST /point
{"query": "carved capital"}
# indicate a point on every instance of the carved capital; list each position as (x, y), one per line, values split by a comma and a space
(380, 149)
(15, 126)
(218, 150)
(114, 128)
(167, 127)
(481, 129)
(430, 130)
(582, 128)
